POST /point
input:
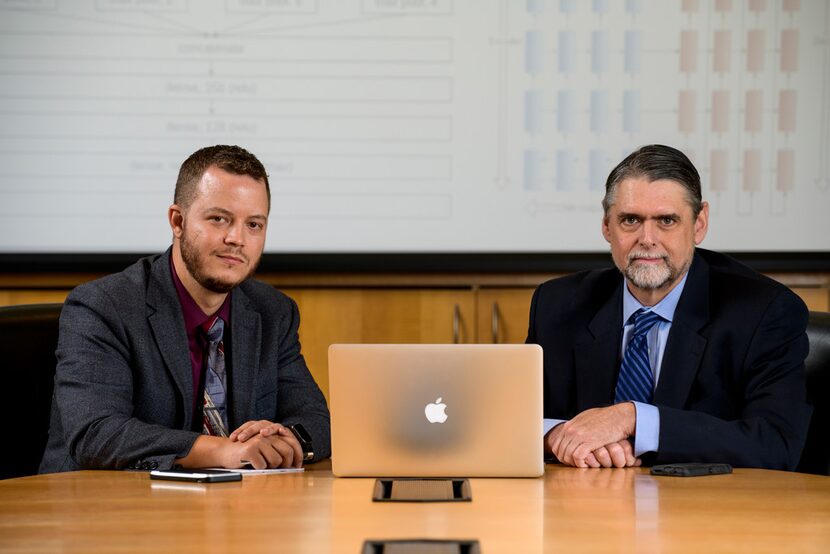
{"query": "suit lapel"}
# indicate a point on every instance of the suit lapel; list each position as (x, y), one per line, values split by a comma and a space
(685, 345)
(164, 316)
(596, 354)
(246, 340)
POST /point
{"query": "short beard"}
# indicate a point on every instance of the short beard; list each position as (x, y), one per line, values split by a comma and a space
(650, 277)
(195, 265)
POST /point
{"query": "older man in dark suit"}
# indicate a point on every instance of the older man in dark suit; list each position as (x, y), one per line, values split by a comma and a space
(688, 356)
(182, 358)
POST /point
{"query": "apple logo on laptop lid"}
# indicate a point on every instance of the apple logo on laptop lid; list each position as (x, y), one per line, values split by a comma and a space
(434, 411)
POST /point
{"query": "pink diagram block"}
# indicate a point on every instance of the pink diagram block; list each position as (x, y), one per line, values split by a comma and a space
(688, 51)
(723, 6)
(720, 111)
(753, 111)
(785, 178)
(786, 111)
(722, 51)
(752, 170)
(718, 170)
(755, 51)
(789, 50)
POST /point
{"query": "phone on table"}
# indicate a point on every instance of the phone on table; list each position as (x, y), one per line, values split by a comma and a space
(196, 475)
(691, 469)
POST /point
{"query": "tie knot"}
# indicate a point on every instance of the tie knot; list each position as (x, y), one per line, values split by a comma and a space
(644, 320)
(215, 331)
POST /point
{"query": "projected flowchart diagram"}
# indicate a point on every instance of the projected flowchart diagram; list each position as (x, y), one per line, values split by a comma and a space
(409, 125)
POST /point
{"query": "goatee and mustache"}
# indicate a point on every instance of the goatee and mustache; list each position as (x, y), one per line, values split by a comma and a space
(196, 263)
(651, 276)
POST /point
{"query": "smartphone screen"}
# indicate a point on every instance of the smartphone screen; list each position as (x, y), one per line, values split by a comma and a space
(196, 475)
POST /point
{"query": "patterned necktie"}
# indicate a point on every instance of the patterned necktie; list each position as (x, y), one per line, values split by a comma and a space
(636, 381)
(214, 413)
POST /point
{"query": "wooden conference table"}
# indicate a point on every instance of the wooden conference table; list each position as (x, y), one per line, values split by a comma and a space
(569, 510)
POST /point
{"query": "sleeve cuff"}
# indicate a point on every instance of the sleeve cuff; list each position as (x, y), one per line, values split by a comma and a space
(647, 429)
(548, 424)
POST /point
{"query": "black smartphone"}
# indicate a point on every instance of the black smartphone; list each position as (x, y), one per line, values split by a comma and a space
(691, 469)
(196, 475)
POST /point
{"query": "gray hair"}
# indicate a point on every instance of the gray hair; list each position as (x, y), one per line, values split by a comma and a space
(655, 162)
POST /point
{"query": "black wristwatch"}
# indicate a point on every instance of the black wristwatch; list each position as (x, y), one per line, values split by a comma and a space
(304, 439)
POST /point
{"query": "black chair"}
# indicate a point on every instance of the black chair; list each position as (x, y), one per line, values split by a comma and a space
(816, 455)
(28, 338)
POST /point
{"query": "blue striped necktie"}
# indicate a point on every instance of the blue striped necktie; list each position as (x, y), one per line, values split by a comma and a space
(636, 381)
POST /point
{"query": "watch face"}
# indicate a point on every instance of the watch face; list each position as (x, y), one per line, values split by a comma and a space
(302, 435)
(305, 440)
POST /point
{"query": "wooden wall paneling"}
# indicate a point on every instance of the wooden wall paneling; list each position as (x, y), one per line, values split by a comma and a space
(14, 297)
(817, 299)
(512, 309)
(332, 315)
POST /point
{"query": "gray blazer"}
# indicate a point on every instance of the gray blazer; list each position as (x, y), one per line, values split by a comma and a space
(123, 386)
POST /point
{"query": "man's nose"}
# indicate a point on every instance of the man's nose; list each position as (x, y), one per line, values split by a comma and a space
(235, 234)
(648, 233)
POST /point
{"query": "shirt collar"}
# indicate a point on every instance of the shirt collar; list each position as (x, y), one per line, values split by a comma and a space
(194, 317)
(665, 308)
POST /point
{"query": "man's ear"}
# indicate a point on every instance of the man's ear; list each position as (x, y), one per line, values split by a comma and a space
(702, 223)
(606, 232)
(175, 217)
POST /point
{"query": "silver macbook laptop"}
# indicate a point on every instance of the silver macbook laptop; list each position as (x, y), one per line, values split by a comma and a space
(436, 410)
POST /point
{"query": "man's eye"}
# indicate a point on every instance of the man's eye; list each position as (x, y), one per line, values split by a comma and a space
(629, 220)
(254, 225)
(668, 221)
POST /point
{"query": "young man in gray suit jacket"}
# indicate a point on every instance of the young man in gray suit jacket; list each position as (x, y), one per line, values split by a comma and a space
(678, 355)
(182, 358)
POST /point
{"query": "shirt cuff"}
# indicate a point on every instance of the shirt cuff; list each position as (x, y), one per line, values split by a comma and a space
(548, 424)
(647, 429)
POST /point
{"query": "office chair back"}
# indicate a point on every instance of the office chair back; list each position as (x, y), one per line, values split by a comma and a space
(28, 339)
(816, 455)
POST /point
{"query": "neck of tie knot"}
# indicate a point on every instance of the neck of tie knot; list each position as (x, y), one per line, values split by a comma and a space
(215, 331)
(644, 321)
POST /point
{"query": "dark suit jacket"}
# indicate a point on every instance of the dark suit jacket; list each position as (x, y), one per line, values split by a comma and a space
(123, 387)
(731, 385)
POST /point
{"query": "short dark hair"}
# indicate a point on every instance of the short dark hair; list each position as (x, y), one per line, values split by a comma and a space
(655, 162)
(233, 159)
